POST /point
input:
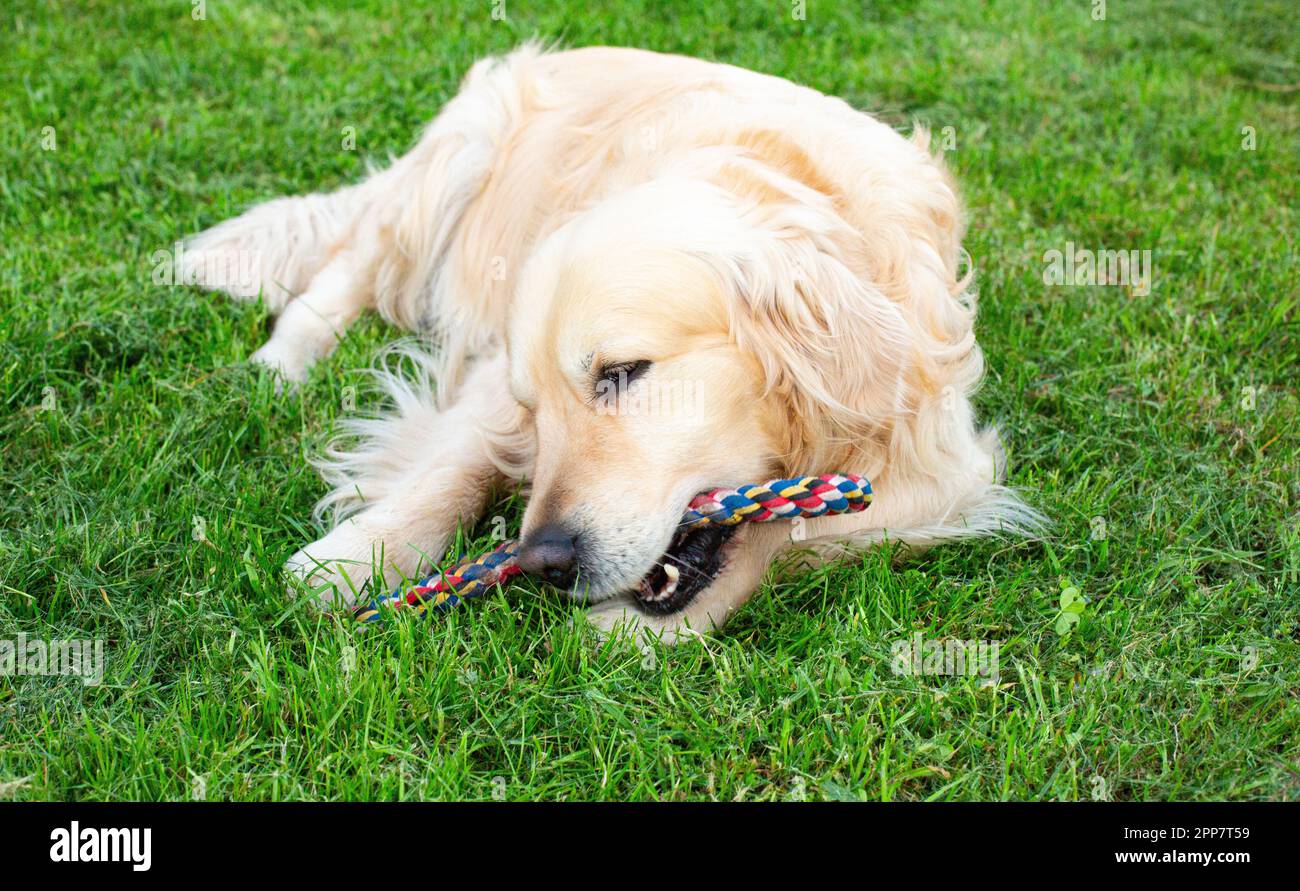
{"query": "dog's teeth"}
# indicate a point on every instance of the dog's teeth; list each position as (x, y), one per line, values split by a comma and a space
(648, 592)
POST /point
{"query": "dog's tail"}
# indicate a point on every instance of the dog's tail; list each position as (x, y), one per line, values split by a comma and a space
(272, 250)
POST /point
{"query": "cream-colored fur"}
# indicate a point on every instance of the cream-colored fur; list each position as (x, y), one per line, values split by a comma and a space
(793, 263)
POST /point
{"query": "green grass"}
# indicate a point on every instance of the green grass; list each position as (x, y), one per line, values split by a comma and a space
(1179, 682)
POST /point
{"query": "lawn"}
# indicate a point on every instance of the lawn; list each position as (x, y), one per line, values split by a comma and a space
(152, 484)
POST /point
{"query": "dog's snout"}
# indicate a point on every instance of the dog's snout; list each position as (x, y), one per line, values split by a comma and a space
(550, 552)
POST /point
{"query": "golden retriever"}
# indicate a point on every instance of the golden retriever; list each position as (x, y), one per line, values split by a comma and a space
(639, 276)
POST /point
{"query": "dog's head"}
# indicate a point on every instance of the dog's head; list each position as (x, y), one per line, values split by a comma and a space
(686, 335)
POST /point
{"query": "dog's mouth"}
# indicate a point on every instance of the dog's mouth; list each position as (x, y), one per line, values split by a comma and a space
(691, 563)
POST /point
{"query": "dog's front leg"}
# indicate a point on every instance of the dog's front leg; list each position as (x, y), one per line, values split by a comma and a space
(420, 474)
(398, 538)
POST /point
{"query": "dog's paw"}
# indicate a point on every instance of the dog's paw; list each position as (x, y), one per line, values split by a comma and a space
(289, 362)
(338, 570)
(364, 556)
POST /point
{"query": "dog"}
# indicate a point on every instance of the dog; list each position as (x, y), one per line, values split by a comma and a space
(635, 276)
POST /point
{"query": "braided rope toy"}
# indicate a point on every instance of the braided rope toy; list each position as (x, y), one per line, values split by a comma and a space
(804, 497)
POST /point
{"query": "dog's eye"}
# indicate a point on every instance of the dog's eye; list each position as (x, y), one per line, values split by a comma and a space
(621, 374)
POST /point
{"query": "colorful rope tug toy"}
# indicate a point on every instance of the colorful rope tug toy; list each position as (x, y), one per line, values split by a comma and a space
(804, 497)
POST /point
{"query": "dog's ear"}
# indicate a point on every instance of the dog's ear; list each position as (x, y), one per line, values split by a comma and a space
(863, 329)
(832, 346)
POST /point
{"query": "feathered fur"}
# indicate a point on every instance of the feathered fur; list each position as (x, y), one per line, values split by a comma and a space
(569, 209)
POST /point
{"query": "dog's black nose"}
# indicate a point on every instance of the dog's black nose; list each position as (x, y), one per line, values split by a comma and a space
(550, 553)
